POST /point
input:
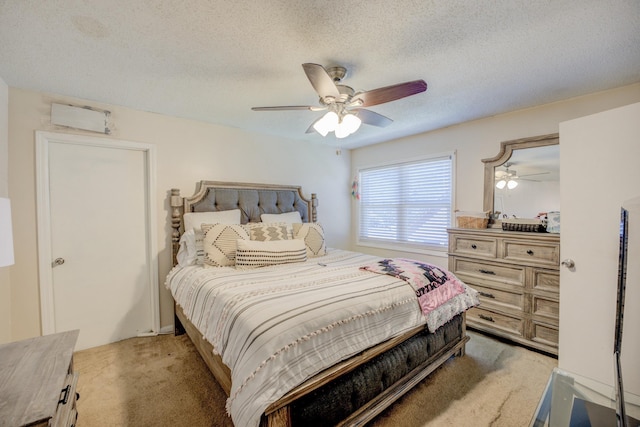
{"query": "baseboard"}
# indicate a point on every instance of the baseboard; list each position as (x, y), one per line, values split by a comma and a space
(166, 330)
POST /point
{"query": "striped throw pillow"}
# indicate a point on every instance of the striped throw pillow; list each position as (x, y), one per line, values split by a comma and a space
(255, 253)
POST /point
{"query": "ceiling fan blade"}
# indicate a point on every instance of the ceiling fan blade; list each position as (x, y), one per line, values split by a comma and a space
(389, 93)
(311, 129)
(372, 118)
(288, 107)
(320, 80)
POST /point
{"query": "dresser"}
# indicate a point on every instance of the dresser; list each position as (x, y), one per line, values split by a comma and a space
(37, 382)
(517, 276)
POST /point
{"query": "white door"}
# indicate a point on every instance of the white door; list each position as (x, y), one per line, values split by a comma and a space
(600, 171)
(100, 265)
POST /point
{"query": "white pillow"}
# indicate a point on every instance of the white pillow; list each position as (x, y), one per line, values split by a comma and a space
(256, 253)
(194, 220)
(191, 250)
(220, 243)
(188, 253)
(288, 217)
(312, 234)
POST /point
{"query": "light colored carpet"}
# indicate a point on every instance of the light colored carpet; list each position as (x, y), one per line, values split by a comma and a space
(162, 381)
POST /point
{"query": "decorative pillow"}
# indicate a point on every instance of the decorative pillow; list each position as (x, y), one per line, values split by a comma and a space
(272, 231)
(194, 220)
(254, 253)
(287, 217)
(313, 235)
(220, 243)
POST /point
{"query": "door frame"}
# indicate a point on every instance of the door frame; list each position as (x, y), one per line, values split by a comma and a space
(43, 209)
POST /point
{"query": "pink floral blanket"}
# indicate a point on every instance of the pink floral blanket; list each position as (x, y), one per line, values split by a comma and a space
(433, 285)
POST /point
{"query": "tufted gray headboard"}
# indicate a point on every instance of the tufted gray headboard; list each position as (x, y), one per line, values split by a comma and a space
(252, 200)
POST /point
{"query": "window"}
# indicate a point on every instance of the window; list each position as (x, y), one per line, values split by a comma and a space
(407, 204)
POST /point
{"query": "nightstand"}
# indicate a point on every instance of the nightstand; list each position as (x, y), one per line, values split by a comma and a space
(37, 382)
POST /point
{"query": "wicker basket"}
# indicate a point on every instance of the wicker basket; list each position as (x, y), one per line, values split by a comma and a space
(472, 220)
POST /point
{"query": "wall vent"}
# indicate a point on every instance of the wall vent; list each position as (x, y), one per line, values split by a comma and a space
(84, 118)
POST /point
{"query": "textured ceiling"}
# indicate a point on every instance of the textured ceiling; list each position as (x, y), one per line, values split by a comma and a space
(212, 60)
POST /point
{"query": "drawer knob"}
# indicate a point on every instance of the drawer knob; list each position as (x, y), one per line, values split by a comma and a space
(529, 251)
(487, 272)
(474, 246)
(487, 318)
(65, 395)
(486, 295)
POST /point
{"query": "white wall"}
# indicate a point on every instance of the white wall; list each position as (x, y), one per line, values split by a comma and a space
(187, 151)
(476, 140)
(5, 288)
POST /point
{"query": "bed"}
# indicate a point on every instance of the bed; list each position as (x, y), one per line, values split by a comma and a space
(294, 332)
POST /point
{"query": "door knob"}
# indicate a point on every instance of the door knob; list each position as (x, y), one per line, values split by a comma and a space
(57, 261)
(568, 263)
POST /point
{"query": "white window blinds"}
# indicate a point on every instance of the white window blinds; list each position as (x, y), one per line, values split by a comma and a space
(408, 203)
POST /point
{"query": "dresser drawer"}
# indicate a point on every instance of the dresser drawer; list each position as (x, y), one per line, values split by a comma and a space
(546, 307)
(545, 334)
(531, 253)
(487, 273)
(474, 246)
(546, 280)
(499, 298)
(480, 318)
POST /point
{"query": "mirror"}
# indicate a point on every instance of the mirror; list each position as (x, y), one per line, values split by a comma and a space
(534, 165)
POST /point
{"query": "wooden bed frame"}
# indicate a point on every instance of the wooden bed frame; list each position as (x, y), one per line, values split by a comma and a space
(278, 414)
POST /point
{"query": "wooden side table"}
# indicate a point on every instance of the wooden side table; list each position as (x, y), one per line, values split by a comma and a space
(37, 382)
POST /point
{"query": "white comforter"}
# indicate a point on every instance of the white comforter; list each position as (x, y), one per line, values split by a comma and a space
(275, 327)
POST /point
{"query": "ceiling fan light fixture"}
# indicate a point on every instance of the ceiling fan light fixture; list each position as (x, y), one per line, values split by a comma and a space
(348, 125)
(338, 98)
(326, 124)
(501, 184)
(351, 122)
(341, 132)
(512, 184)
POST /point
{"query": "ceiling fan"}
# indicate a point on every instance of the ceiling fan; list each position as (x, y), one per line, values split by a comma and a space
(509, 177)
(345, 113)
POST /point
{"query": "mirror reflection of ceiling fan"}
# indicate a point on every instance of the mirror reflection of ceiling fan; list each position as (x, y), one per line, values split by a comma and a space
(345, 113)
(509, 177)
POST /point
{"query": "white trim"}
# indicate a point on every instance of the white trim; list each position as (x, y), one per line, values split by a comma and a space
(43, 220)
(43, 206)
(168, 329)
